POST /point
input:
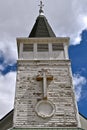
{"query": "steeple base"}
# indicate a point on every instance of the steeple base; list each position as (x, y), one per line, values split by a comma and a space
(46, 129)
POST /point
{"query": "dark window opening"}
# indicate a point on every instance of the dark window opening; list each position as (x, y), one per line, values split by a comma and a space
(42, 47)
(56, 47)
(28, 47)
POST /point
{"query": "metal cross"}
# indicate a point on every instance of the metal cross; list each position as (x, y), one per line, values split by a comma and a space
(41, 6)
(44, 76)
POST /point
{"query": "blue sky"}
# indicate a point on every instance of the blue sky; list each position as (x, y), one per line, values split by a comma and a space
(67, 18)
(78, 56)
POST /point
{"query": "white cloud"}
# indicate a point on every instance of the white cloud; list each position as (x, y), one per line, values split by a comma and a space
(1, 67)
(78, 81)
(69, 18)
(7, 92)
(8, 50)
(77, 40)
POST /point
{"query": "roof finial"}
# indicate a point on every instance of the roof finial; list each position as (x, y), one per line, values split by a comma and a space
(41, 6)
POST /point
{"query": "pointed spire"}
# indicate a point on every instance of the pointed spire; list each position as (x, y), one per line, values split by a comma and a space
(41, 8)
(41, 27)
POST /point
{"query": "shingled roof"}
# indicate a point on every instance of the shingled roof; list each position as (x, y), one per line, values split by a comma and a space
(41, 28)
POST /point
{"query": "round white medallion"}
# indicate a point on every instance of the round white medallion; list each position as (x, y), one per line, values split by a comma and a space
(45, 108)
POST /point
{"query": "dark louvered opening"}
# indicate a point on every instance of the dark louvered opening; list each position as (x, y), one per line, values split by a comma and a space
(56, 47)
(42, 47)
(28, 47)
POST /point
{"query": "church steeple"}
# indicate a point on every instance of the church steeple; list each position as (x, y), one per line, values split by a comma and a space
(41, 27)
(44, 91)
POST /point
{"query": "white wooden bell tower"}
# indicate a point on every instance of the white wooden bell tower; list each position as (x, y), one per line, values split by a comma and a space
(44, 91)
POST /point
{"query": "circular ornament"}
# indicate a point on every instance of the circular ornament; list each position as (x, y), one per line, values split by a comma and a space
(45, 108)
